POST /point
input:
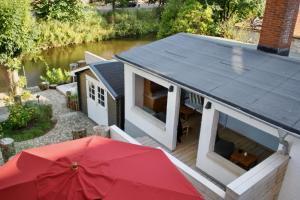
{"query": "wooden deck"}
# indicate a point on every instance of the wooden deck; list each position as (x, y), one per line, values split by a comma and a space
(186, 151)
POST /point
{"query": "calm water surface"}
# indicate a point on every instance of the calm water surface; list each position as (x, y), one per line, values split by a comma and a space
(63, 56)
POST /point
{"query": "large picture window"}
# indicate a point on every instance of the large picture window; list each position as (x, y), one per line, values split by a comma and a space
(151, 97)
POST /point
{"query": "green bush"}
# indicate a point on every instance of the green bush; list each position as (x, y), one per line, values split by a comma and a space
(56, 76)
(62, 10)
(91, 28)
(26, 95)
(19, 116)
(39, 124)
(168, 17)
(194, 18)
(187, 16)
(133, 23)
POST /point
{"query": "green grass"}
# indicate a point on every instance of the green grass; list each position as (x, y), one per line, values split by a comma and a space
(38, 127)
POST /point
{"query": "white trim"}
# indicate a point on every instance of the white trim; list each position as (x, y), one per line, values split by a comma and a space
(96, 111)
(167, 135)
(215, 101)
(88, 67)
(78, 70)
(92, 58)
(198, 177)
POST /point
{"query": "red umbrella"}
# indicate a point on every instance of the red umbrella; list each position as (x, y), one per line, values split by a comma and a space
(93, 168)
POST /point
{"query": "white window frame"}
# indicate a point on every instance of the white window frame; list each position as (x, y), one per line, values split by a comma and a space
(90, 93)
(101, 102)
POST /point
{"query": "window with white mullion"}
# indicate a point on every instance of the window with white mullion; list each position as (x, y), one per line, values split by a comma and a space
(101, 96)
(91, 90)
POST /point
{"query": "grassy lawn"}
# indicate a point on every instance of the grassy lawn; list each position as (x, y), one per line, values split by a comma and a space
(40, 125)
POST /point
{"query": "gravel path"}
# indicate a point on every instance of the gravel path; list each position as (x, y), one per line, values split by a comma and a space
(66, 121)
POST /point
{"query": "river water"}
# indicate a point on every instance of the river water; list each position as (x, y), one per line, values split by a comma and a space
(63, 56)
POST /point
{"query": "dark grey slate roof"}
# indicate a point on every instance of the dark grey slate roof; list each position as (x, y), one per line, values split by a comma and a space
(111, 73)
(264, 85)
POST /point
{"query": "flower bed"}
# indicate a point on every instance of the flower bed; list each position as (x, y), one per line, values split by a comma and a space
(27, 121)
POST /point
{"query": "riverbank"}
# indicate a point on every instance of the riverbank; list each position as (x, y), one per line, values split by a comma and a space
(96, 27)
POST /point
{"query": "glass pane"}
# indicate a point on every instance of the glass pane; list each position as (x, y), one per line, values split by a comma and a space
(102, 97)
(102, 91)
(102, 103)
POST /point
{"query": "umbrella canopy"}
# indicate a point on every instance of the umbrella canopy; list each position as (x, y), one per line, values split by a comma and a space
(93, 168)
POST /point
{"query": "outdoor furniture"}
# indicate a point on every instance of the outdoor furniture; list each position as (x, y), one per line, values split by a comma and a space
(243, 159)
(94, 168)
(185, 112)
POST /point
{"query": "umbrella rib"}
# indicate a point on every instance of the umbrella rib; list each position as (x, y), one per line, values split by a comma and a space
(134, 154)
(160, 188)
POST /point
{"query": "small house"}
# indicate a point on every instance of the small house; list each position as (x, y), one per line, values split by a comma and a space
(100, 86)
(224, 108)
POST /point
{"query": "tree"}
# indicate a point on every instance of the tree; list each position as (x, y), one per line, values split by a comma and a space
(194, 18)
(186, 16)
(62, 10)
(15, 37)
(160, 2)
(168, 17)
(226, 9)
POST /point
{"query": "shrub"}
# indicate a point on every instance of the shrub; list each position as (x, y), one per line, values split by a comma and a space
(187, 16)
(194, 18)
(133, 23)
(53, 33)
(62, 10)
(26, 95)
(168, 17)
(56, 76)
(19, 116)
(39, 124)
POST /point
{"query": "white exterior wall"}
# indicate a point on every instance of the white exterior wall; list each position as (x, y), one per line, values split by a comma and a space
(290, 189)
(209, 161)
(165, 133)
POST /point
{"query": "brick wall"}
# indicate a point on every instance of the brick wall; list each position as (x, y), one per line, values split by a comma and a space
(278, 26)
(297, 27)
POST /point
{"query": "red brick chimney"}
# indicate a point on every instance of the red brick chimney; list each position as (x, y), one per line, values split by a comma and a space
(278, 26)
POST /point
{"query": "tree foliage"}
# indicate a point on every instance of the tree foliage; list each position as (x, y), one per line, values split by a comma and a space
(186, 16)
(194, 18)
(168, 17)
(226, 9)
(15, 32)
(62, 10)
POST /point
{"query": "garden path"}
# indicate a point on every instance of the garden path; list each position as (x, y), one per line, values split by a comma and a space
(66, 121)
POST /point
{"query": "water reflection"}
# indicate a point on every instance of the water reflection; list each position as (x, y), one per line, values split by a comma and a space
(63, 56)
